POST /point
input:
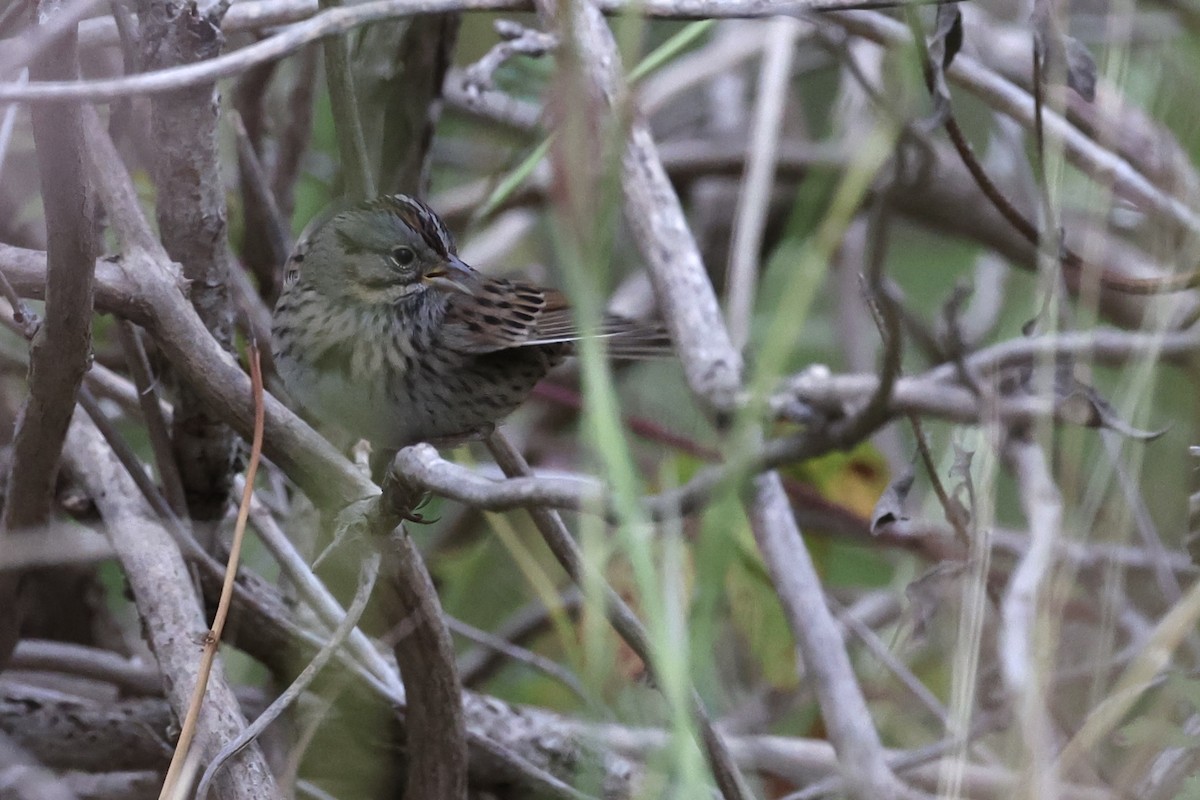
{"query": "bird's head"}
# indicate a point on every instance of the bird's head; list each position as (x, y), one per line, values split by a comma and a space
(380, 252)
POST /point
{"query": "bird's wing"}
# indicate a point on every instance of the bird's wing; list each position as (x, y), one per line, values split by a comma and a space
(501, 314)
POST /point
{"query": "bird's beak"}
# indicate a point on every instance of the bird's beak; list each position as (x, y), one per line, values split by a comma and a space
(452, 276)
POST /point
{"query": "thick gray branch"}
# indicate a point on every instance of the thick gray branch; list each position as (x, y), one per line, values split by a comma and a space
(61, 349)
(125, 735)
(822, 650)
(191, 220)
(1022, 654)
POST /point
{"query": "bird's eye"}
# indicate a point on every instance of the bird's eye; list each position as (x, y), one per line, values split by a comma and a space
(404, 256)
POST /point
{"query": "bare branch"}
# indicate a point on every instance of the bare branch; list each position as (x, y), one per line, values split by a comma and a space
(762, 150)
(191, 215)
(56, 544)
(244, 15)
(1022, 657)
(506, 649)
(27, 321)
(357, 170)
(41, 38)
(25, 778)
(156, 423)
(26, 270)
(413, 88)
(422, 465)
(271, 232)
(327, 23)
(851, 729)
(62, 348)
(132, 676)
(294, 140)
(477, 665)
(515, 40)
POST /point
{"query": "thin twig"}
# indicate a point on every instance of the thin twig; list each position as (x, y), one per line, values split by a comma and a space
(950, 509)
(515, 40)
(156, 424)
(28, 322)
(22, 50)
(877, 648)
(520, 655)
(479, 664)
(124, 453)
(762, 149)
(293, 141)
(1140, 676)
(190, 208)
(9, 121)
(257, 190)
(900, 761)
(135, 677)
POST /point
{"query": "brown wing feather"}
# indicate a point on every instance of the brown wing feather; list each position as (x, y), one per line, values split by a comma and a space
(503, 314)
(499, 315)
